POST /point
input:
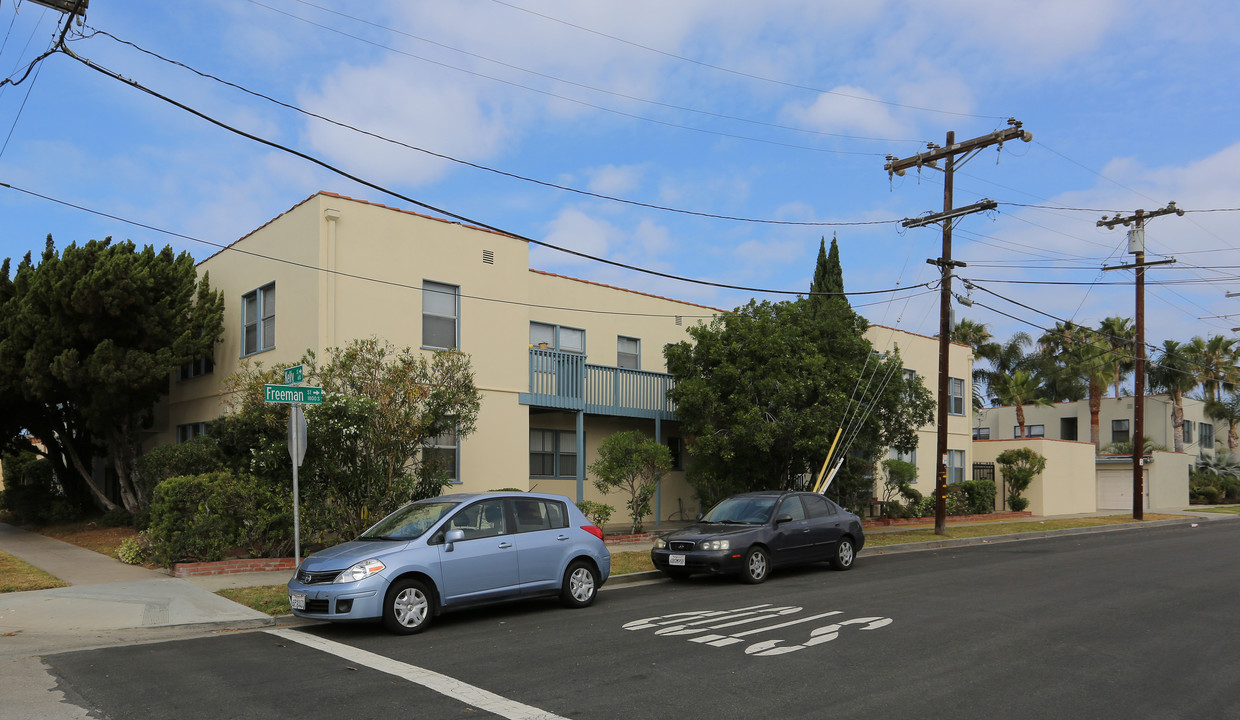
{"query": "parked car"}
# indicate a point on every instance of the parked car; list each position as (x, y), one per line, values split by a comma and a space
(751, 533)
(451, 552)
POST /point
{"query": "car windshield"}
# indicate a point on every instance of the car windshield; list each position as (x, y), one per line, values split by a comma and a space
(748, 510)
(408, 522)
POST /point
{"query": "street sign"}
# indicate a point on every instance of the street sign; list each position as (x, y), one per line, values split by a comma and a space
(292, 376)
(297, 434)
(293, 394)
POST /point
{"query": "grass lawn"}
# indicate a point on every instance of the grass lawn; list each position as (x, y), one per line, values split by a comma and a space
(270, 599)
(17, 576)
(899, 537)
(1232, 510)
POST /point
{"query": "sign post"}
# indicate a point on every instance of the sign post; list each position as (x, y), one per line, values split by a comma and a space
(296, 396)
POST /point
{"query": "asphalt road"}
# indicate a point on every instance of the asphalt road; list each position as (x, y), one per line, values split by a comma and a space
(1135, 624)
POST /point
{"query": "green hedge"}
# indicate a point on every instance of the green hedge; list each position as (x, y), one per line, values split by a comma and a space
(202, 518)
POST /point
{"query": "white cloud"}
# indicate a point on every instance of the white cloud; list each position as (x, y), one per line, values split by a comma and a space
(575, 230)
(847, 110)
(615, 179)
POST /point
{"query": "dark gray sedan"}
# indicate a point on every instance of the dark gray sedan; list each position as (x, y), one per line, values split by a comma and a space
(751, 533)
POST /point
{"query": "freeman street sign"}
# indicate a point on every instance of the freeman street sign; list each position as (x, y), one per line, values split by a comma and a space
(290, 394)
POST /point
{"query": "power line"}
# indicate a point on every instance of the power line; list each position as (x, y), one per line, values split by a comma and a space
(553, 77)
(478, 166)
(294, 263)
(741, 73)
(570, 99)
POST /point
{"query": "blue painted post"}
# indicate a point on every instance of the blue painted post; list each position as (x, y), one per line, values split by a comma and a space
(581, 455)
(658, 488)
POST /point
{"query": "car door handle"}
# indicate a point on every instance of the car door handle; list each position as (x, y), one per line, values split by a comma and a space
(805, 530)
(561, 537)
(505, 545)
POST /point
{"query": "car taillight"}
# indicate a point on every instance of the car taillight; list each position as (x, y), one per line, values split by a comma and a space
(593, 530)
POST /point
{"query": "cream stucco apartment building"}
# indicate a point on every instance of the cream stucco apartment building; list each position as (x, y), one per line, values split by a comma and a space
(561, 363)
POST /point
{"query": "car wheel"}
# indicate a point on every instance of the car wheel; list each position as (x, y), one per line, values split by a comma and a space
(845, 554)
(580, 585)
(407, 607)
(757, 565)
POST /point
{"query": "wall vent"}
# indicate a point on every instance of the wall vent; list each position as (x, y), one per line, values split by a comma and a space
(679, 320)
(488, 257)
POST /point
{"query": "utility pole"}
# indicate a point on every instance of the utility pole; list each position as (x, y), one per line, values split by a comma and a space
(1136, 246)
(897, 166)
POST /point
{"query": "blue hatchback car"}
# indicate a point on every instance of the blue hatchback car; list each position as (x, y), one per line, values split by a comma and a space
(451, 552)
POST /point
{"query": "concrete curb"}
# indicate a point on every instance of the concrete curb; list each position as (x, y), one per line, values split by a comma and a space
(1016, 537)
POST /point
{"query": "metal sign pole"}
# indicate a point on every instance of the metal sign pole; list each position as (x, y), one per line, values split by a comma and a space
(294, 418)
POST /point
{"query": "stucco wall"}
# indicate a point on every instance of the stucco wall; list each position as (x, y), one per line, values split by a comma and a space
(1065, 487)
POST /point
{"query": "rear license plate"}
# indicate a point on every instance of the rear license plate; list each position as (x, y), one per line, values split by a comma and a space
(297, 601)
(675, 559)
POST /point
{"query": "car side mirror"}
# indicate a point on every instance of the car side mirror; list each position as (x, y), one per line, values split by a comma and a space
(700, 516)
(454, 535)
(783, 519)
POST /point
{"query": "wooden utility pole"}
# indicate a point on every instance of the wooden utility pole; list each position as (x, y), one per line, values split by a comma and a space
(897, 166)
(1136, 246)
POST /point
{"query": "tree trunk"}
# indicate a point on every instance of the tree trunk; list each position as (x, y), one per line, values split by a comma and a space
(1177, 421)
(66, 444)
(1095, 408)
(1020, 419)
(1233, 437)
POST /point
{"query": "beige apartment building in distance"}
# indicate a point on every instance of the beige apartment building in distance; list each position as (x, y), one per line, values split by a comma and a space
(561, 363)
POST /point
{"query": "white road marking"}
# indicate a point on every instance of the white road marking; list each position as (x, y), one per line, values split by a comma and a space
(694, 622)
(453, 688)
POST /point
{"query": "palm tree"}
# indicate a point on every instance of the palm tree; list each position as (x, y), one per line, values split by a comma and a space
(1021, 388)
(1227, 409)
(977, 336)
(1121, 336)
(1173, 371)
(1005, 359)
(1216, 360)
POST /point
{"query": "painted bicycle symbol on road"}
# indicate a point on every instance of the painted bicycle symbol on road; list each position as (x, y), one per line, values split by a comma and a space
(720, 628)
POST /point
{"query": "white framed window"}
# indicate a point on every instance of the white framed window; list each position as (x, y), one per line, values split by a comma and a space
(955, 392)
(955, 466)
(1205, 436)
(189, 431)
(908, 457)
(628, 352)
(557, 337)
(981, 433)
(440, 312)
(444, 450)
(1188, 431)
(553, 453)
(258, 320)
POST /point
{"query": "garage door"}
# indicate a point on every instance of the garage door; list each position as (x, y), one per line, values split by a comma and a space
(1115, 489)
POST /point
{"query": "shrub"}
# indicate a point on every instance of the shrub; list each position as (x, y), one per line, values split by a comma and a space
(979, 496)
(634, 463)
(1018, 503)
(598, 513)
(194, 457)
(1209, 493)
(135, 550)
(1019, 467)
(201, 518)
(116, 517)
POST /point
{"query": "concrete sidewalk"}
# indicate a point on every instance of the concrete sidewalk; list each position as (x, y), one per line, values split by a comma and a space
(104, 597)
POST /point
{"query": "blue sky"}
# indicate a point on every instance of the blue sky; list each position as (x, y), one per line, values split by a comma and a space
(779, 111)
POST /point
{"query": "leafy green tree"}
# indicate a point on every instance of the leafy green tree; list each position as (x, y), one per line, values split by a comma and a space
(1083, 353)
(1120, 335)
(761, 392)
(1019, 466)
(1215, 359)
(1173, 372)
(88, 340)
(634, 463)
(1019, 389)
(367, 446)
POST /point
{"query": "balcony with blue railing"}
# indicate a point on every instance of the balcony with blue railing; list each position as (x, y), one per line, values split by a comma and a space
(565, 381)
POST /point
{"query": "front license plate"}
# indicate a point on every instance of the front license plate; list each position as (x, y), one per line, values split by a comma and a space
(297, 601)
(675, 559)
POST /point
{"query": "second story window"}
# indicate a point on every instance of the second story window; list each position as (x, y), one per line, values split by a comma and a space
(628, 353)
(439, 315)
(195, 368)
(557, 337)
(1119, 431)
(258, 318)
(956, 399)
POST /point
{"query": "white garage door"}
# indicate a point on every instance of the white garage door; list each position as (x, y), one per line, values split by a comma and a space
(1115, 489)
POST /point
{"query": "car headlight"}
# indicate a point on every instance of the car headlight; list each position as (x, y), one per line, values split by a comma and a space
(659, 543)
(360, 571)
(716, 545)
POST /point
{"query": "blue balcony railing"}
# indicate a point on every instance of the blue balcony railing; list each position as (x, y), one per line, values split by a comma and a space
(567, 382)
